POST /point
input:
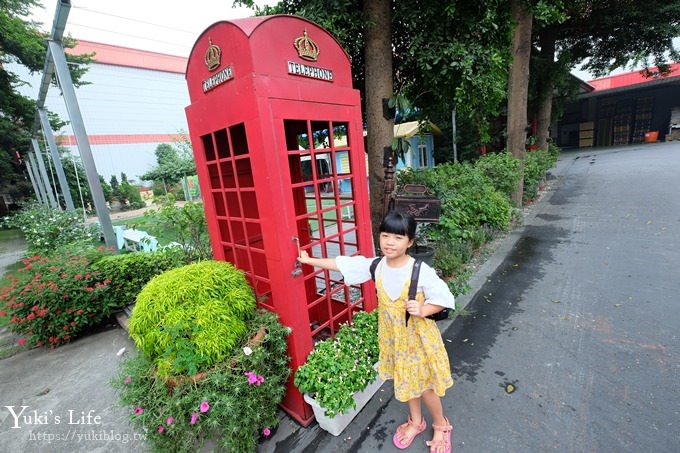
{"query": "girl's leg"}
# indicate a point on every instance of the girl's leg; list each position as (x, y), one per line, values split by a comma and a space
(416, 417)
(434, 406)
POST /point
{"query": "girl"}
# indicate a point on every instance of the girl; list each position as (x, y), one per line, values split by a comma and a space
(412, 353)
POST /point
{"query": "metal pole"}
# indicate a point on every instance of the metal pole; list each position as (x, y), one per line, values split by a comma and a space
(49, 195)
(54, 151)
(64, 77)
(29, 167)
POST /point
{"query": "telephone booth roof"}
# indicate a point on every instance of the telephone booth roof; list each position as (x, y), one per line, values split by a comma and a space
(263, 46)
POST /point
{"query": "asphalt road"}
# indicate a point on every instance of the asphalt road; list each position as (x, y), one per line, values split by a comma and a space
(577, 310)
(573, 345)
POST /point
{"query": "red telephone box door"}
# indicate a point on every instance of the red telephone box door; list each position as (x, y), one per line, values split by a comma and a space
(326, 163)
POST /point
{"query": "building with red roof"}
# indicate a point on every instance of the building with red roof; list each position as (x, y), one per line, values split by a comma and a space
(622, 109)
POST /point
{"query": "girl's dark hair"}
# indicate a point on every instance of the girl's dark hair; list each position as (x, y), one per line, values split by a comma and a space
(397, 222)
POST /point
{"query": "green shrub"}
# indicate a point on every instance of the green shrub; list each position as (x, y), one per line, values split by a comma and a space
(536, 165)
(52, 300)
(46, 229)
(234, 402)
(129, 272)
(189, 318)
(502, 169)
(185, 223)
(468, 200)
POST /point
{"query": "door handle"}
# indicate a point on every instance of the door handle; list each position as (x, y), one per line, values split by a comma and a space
(298, 267)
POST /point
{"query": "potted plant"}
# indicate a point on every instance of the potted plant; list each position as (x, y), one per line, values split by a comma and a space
(340, 374)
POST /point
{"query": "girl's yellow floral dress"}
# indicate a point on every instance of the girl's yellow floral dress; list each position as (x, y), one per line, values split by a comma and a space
(414, 355)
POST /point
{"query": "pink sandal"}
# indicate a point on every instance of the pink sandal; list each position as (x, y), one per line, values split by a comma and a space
(441, 443)
(402, 428)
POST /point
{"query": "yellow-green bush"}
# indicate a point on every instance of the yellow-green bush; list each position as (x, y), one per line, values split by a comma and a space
(189, 318)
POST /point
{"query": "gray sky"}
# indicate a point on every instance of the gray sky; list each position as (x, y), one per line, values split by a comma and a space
(169, 27)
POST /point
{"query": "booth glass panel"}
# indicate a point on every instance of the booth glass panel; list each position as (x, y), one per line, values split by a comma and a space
(222, 144)
(208, 147)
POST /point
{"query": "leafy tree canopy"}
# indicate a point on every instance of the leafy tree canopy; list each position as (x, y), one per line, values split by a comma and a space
(22, 42)
(174, 162)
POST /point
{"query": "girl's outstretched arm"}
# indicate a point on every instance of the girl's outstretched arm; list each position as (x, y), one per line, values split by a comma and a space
(323, 263)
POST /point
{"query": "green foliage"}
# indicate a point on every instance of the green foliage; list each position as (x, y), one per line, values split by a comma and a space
(174, 162)
(189, 318)
(337, 368)
(468, 200)
(22, 41)
(235, 401)
(186, 223)
(129, 272)
(52, 300)
(46, 229)
(536, 165)
(502, 169)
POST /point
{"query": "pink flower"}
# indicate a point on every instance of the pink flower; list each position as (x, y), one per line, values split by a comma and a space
(160, 429)
(252, 377)
(139, 410)
(21, 341)
(127, 380)
(266, 432)
(169, 420)
(205, 406)
(194, 418)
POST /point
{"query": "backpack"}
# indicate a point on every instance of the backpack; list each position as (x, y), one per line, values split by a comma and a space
(413, 289)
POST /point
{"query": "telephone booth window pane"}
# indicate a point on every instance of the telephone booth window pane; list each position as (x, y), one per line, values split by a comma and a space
(345, 185)
(249, 201)
(254, 235)
(214, 176)
(237, 231)
(347, 213)
(297, 170)
(233, 206)
(340, 135)
(320, 134)
(225, 236)
(245, 173)
(296, 135)
(208, 147)
(228, 181)
(222, 143)
(220, 209)
(239, 142)
(343, 166)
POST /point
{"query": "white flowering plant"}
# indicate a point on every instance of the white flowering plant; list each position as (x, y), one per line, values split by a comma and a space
(341, 366)
(46, 229)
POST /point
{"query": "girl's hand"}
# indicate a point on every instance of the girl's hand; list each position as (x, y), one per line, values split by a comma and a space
(304, 257)
(414, 308)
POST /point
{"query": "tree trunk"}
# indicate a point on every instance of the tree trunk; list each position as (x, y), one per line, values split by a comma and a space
(518, 88)
(378, 54)
(545, 91)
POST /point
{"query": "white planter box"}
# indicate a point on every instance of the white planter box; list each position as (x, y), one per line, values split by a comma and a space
(338, 423)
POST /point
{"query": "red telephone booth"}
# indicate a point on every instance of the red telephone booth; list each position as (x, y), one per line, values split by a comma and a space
(278, 142)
